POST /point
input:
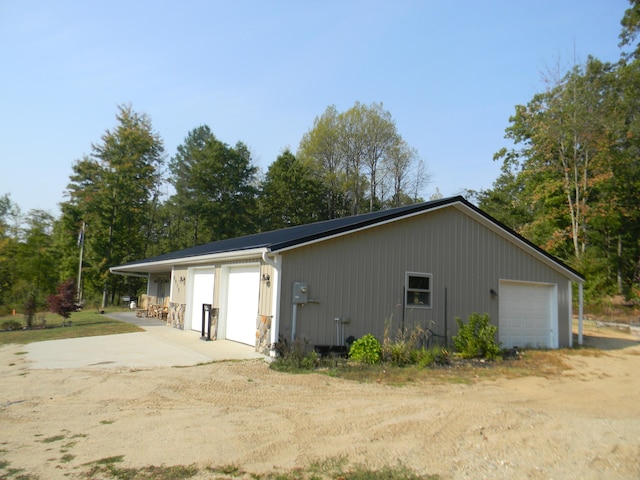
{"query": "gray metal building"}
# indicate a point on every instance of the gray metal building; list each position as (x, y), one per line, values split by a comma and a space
(416, 266)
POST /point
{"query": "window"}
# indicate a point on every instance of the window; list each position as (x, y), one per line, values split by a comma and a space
(418, 290)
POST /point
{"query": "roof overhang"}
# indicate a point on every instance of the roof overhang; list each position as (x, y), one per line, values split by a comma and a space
(164, 266)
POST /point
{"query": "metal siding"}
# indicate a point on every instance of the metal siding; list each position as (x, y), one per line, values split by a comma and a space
(361, 276)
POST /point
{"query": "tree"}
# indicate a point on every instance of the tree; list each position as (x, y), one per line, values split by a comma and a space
(63, 302)
(34, 261)
(573, 185)
(562, 158)
(9, 215)
(113, 191)
(215, 190)
(320, 150)
(630, 25)
(361, 159)
(290, 195)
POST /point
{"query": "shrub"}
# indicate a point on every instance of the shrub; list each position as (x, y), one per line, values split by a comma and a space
(64, 302)
(366, 350)
(11, 325)
(477, 338)
(294, 357)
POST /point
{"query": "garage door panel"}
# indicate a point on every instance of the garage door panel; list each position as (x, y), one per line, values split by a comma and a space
(242, 304)
(525, 314)
(203, 283)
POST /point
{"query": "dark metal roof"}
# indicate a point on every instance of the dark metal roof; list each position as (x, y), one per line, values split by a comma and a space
(290, 237)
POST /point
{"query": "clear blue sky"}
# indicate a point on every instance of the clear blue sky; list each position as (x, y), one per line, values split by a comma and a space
(449, 72)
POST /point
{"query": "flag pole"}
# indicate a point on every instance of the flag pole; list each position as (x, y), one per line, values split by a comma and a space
(81, 243)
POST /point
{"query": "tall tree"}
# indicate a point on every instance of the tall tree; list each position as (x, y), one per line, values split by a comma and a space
(35, 260)
(290, 194)
(215, 190)
(362, 160)
(630, 25)
(112, 190)
(320, 149)
(9, 221)
(562, 151)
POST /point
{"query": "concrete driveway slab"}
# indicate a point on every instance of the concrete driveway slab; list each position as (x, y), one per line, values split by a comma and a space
(158, 346)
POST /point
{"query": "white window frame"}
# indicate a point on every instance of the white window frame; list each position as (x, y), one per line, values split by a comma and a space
(413, 291)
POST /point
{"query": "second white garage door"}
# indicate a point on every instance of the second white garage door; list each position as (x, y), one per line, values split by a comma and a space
(527, 315)
(242, 304)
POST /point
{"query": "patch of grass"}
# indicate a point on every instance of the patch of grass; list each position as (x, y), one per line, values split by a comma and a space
(106, 422)
(20, 353)
(83, 324)
(55, 438)
(67, 458)
(108, 468)
(327, 469)
(232, 470)
(110, 460)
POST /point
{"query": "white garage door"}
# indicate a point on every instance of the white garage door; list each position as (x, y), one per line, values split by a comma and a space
(527, 315)
(203, 279)
(242, 304)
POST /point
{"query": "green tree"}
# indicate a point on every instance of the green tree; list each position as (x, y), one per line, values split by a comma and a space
(630, 25)
(290, 194)
(215, 190)
(113, 191)
(320, 149)
(9, 219)
(572, 184)
(561, 156)
(619, 210)
(361, 159)
(34, 262)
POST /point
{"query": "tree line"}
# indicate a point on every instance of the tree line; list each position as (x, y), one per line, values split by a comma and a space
(127, 201)
(571, 182)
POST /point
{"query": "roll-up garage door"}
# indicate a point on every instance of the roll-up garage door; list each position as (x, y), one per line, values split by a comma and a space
(242, 304)
(526, 315)
(203, 280)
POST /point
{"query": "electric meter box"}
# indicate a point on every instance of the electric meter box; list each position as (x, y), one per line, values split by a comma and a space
(300, 292)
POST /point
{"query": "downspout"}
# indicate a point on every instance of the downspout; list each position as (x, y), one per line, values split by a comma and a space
(275, 299)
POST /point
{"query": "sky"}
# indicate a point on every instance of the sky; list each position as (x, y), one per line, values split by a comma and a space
(260, 71)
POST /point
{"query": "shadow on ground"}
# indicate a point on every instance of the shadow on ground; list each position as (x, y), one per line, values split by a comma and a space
(603, 342)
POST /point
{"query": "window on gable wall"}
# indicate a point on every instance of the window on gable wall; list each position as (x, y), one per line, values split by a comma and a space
(418, 290)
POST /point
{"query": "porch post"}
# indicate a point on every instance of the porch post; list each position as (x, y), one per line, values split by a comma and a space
(580, 311)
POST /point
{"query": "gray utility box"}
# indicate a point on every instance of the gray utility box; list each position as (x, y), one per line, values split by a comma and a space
(300, 292)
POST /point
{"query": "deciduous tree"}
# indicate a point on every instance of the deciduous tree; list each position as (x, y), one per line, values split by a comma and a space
(362, 160)
(113, 191)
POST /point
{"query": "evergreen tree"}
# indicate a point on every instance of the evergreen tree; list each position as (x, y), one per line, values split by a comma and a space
(215, 191)
(290, 195)
(113, 192)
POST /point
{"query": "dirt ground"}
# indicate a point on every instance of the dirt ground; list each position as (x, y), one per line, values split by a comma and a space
(583, 423)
